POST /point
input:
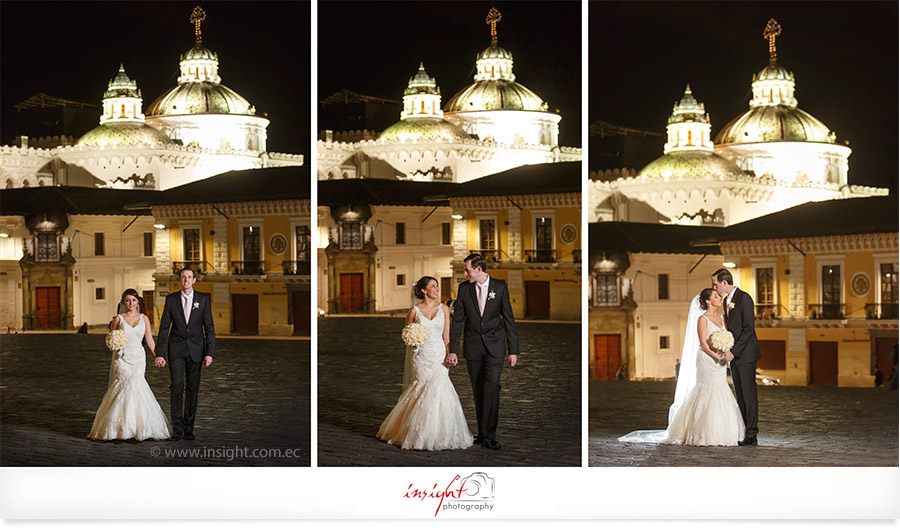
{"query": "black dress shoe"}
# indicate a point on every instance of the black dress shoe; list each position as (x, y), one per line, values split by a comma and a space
(175, 437)
(478, 440)
(490, 444)
(189, 436)
(749, 442)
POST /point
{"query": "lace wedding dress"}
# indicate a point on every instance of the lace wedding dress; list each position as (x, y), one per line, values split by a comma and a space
(129, 409)
(709, 415)
(428, 415)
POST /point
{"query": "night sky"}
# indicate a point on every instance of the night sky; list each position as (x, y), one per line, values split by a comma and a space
(843, 56)
(374, 47)
(72, 49)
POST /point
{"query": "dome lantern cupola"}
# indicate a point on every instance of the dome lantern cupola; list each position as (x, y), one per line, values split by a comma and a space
(773, 85)
(199, 64)
(122, 100)
(773, 115)
(422, 97)
(494, 62)
(688, 127)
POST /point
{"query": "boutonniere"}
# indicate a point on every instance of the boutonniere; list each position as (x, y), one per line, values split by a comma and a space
(491, 295)
(196, 305)
(731, 306)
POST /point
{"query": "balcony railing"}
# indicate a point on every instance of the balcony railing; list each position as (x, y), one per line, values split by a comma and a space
(198, 266)
(827, 311)
(296, 267)
(540, 255)
(767, 311)
(247, 267)
(882, 311)
(490, 255)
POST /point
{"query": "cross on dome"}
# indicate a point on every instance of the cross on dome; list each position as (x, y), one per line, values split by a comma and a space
(198, 15)
(492, 18)
(773, 29)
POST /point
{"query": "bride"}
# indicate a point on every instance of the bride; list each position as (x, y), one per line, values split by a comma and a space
(428, 414)
(705, 411)
(129, 409)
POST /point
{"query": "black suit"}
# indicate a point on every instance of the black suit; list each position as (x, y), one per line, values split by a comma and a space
(188, 344)
(741, 322)
(487, 338)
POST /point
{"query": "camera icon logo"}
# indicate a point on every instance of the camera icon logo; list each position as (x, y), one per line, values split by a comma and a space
(479, 486)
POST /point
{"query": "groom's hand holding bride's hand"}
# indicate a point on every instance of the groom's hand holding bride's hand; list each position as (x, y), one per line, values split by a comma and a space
(160, 362)
(728, 355)
(452, 359)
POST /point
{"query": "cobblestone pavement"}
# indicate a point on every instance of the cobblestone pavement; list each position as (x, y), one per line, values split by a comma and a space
(818, 425)
(255, 396)
(360, 372)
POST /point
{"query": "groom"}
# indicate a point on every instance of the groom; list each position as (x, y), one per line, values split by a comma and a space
(740, 317)
(484, 312)
(187, 328)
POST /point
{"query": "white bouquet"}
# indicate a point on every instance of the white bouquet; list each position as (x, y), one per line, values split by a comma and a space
(721, 340)
(414, 335)
(116, 341)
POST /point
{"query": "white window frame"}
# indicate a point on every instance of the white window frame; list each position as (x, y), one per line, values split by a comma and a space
(543, 213)
(257, 223)
(295, 223)
(884, 258)
(830, 260)
(478, 219)
(184, 226)
(768, 262)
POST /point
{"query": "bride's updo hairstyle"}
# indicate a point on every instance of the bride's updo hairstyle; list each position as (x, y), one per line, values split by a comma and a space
(133, 293)
(421, 284)
(704, 297)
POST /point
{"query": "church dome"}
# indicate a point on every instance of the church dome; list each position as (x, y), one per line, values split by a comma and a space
(496, 94)
(773, 72)
(690, 165)
(774, 123)
(124, 134)
(199, 89)
(198, 52)
(494, 52)
(200, 98)
(423, 129)
(495, 86)
(773, 115)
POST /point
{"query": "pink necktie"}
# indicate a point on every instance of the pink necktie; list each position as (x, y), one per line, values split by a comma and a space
(481, 298)
(187, 309)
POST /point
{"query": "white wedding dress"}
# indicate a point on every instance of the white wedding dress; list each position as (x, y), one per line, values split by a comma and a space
(704, 411)
(129, 409)
(710, 415)
(428, 415)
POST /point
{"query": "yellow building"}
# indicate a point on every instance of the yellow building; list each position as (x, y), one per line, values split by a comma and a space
(247, 234)
(526, 222)
(824, 279)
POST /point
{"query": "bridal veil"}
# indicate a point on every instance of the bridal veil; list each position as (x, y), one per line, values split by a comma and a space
(687, 377)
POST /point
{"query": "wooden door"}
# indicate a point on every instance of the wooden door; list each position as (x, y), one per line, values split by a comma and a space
(823, 362)
(301, 312)
(774, 355)
(244, 313)
(446, 288)
(46, 307)
(537, 299)
(352, 300)
(147, 295)
(607, 356)
(883, 346)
